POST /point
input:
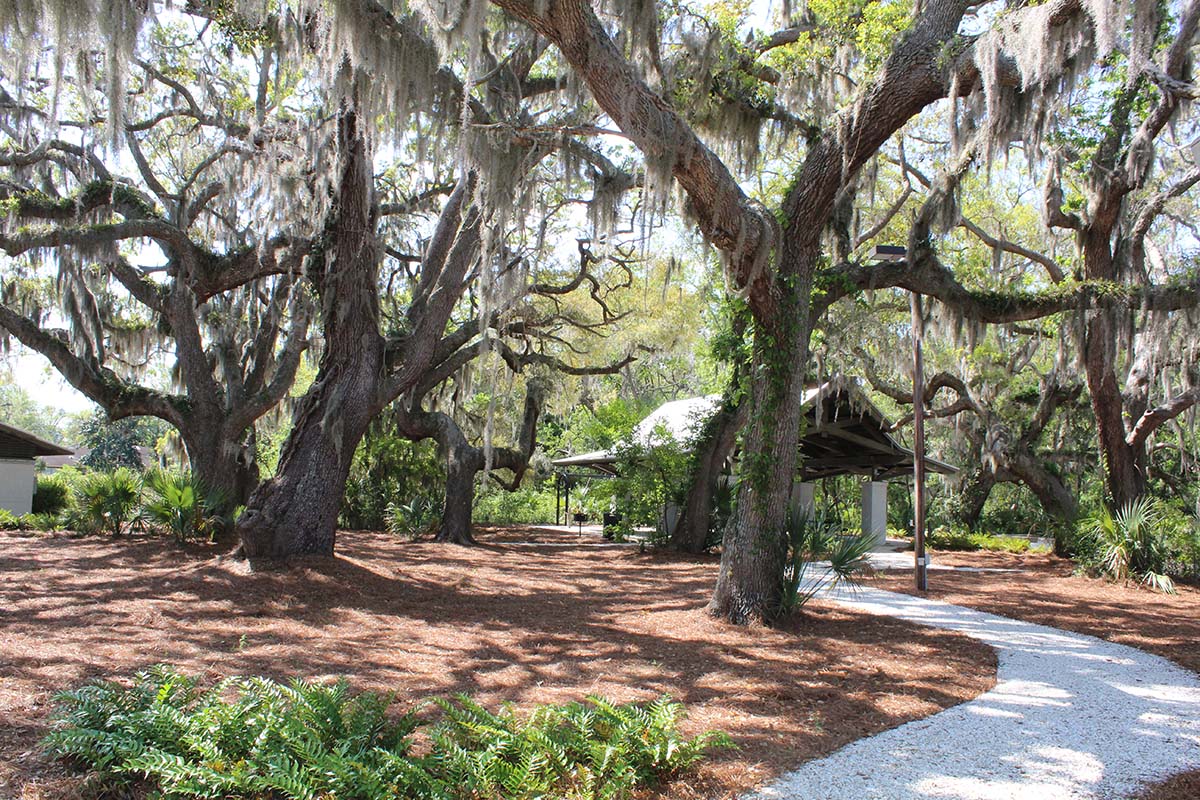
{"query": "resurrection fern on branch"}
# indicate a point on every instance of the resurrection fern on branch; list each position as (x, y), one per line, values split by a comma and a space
(257, 738)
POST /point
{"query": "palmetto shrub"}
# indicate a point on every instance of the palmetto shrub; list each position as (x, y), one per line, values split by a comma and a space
(259, 739)
(411, 519)
(178, 503)
(106, 502)
(1130, 543)
(813, 539)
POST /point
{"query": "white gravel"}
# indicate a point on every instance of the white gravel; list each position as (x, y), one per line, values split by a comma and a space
(1072, 716)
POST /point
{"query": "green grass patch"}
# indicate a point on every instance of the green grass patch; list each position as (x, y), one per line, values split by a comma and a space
(943, 538)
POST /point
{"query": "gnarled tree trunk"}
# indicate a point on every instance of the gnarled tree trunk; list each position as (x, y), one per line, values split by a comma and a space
(974, 496)
(716, 446)
(754, 548)
(296, 512)
(463, 463)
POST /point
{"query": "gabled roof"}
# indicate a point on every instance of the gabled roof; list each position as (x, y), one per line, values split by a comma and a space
(16, 443)
(679, 419)
(845, 434)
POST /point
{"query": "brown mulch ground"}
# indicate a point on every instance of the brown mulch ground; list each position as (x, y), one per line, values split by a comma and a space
(502, 622)
(1046, 591)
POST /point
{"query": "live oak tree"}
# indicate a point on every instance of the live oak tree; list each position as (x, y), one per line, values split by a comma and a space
(772, 254)
(1109, 184)
(1006, 413)
(368, 74)
(132, 248)
(533, 342)
(1124, 185)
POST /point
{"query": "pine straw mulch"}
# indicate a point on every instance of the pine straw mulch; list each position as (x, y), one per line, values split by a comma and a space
(1046, 591)
(502, 622)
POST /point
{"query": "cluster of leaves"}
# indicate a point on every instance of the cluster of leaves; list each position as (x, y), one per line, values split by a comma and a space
(180, 504)
(811, 539)
(117, 501)
(529, 505)
(411, 519)
(650, 477)
(952, 537)
(257, 738)
(24, 522)
(389, 469)
(1132, 543)
(106, 502)
(112, 445)
(52, 495)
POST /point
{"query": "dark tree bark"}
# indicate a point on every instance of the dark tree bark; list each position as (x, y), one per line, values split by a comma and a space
(463, 464)
(295, 513)
(717, 443)
(977, 488)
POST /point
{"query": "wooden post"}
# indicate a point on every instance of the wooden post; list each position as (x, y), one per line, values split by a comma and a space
(918, 331)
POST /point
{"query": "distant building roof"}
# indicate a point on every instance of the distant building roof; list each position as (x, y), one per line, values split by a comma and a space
(72, 456)
(679, 419)
(845, 434)
(16, 443)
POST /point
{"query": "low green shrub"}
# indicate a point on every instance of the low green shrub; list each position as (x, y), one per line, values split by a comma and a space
(526, 506)
(813, 539)
(953, 538)
(178, 503)
(256, 738)
(12, 522)
(52, 496)
(412, 519)
(1132, 543)
(43, 522)
(106, 502)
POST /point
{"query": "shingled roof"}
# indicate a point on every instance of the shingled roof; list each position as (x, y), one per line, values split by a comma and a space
(16, 443)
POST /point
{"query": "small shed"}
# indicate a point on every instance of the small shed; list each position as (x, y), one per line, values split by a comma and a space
(18, 477)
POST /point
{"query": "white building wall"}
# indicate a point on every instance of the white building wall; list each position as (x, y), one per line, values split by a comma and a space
(17, 481)
(874, 511)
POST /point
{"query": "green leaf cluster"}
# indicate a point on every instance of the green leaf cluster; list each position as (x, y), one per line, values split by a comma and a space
(258, 738)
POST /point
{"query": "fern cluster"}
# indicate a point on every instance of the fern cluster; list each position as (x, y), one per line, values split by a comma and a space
(256, 738)
(596, 749)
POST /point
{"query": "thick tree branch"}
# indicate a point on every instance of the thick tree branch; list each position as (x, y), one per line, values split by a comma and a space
(118, 398)
(1154, 417)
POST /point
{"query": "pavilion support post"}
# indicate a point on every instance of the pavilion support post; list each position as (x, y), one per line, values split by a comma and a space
(804, 498)
(874, 512)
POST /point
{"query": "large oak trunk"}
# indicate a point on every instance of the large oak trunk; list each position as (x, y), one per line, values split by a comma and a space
(226, 469)
(296, 512)
(754, 547)
(462, 465)
(1124, 465)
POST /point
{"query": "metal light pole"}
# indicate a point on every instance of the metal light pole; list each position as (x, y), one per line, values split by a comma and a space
(918, 330)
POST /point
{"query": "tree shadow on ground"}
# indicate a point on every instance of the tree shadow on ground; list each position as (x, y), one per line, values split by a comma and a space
(504, 623)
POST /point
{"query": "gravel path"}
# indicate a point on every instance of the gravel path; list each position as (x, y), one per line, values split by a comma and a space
(1071, 716)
